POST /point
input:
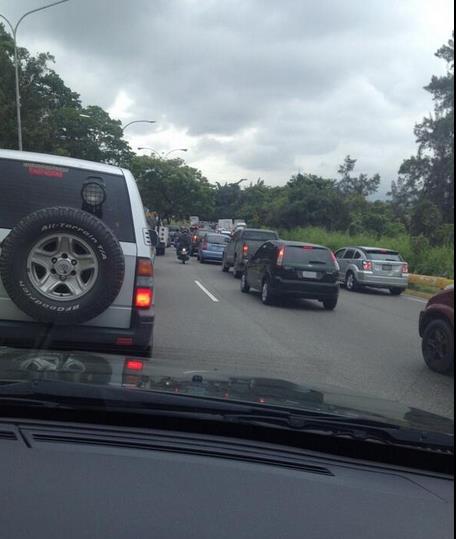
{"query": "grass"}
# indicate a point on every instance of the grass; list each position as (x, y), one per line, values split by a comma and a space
(423, 258)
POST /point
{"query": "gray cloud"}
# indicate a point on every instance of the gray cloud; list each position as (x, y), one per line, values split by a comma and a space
(260, 86)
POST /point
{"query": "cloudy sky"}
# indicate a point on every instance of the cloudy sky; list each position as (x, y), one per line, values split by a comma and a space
(254, 88)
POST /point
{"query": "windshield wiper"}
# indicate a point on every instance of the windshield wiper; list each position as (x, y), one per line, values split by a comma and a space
(82, 397)
(357, 429)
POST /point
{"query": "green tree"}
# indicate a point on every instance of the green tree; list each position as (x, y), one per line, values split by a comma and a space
(173, 189)
(51, 112)
(430, 174)
(360, 185)
(313, 201)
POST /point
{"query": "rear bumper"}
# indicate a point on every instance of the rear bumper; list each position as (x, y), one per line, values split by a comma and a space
(380, 281)
(212, 255)
(102, 339)
(305, 289)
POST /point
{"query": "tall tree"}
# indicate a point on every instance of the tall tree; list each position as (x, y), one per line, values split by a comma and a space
(173, 189)
(360, 185)
(51, 112)
(430, 174)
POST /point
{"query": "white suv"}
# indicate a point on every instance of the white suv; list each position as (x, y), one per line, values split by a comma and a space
(75, 256)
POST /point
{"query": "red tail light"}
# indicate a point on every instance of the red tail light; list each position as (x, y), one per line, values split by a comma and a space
(405, 267)
(134, 364)
(336, 262)
(280, 256)
(144, 298)
(368, 265)
(245, 249)
(308, 247)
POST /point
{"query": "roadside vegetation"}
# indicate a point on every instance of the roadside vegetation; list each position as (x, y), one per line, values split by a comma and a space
(423, 258)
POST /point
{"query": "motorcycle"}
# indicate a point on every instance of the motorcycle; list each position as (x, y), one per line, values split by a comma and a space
(183, 255)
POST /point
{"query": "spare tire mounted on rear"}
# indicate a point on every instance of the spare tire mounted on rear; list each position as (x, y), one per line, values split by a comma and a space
(62, 266)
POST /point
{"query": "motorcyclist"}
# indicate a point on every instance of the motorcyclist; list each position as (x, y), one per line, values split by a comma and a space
(184, 241)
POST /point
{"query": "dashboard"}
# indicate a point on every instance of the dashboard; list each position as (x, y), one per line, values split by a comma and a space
(68, 481)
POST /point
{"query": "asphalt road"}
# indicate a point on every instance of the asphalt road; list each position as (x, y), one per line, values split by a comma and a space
(370, 344)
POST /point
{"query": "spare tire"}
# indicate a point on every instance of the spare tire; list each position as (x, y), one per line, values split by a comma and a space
(62, 266)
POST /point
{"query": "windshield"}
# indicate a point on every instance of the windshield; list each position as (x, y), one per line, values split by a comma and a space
(384, 255)
(303, 256)
(234, 201)
(218, 239)
(27, 187)
(258, 235)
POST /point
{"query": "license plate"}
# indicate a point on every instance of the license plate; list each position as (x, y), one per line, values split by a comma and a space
(387, 268)
(309, 275)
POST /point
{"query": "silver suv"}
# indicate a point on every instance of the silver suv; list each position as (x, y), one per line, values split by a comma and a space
(373, 267)
(75, 256)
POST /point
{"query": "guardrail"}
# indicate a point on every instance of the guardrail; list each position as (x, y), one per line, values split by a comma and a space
(426, 280)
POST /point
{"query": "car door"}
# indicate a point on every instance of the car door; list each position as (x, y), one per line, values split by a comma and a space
(340, 258)
(254, 268)
(229, 251)
(358, 259)
(347, 261)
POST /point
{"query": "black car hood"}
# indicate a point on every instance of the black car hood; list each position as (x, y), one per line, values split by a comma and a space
(157, 375)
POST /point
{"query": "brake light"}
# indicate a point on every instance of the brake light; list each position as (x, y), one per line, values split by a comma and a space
(144, 268)
(144, 298)
(405, 267)
(195, 238)
(368, 265)
(308, 247)
(124, 341)
(245, 249)
(134, 364)
(336, 262)
(281, 256)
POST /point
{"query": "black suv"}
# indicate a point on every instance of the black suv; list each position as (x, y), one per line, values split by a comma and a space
(293, 269)
(243, 245)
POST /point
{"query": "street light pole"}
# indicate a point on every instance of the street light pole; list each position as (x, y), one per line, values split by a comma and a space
(138, 122)
(176, 150)
(14, 30)
(158, 154)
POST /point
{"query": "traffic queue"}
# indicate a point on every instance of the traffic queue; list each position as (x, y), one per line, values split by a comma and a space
(279, 269)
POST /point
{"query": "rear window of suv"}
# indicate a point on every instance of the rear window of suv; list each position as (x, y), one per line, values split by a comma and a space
(391, 256)
(259, 235)
(218, 239)
(296, 255)
(28, 187)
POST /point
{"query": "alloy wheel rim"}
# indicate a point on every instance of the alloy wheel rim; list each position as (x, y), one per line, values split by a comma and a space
(62, 267)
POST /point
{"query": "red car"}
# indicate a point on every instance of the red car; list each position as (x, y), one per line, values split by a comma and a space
(437, 332)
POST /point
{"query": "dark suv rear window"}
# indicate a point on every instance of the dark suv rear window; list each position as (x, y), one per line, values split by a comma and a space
(259, 235)
(301, 256)
(28, 187)
(380, 254)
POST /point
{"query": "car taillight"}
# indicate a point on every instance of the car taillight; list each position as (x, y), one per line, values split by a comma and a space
(144, 298)
(280, 256)
(368, 265)
(245, 249)
(144, 268)
(336, 262)
(144, 289)
(405, 267)
(134, 364)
